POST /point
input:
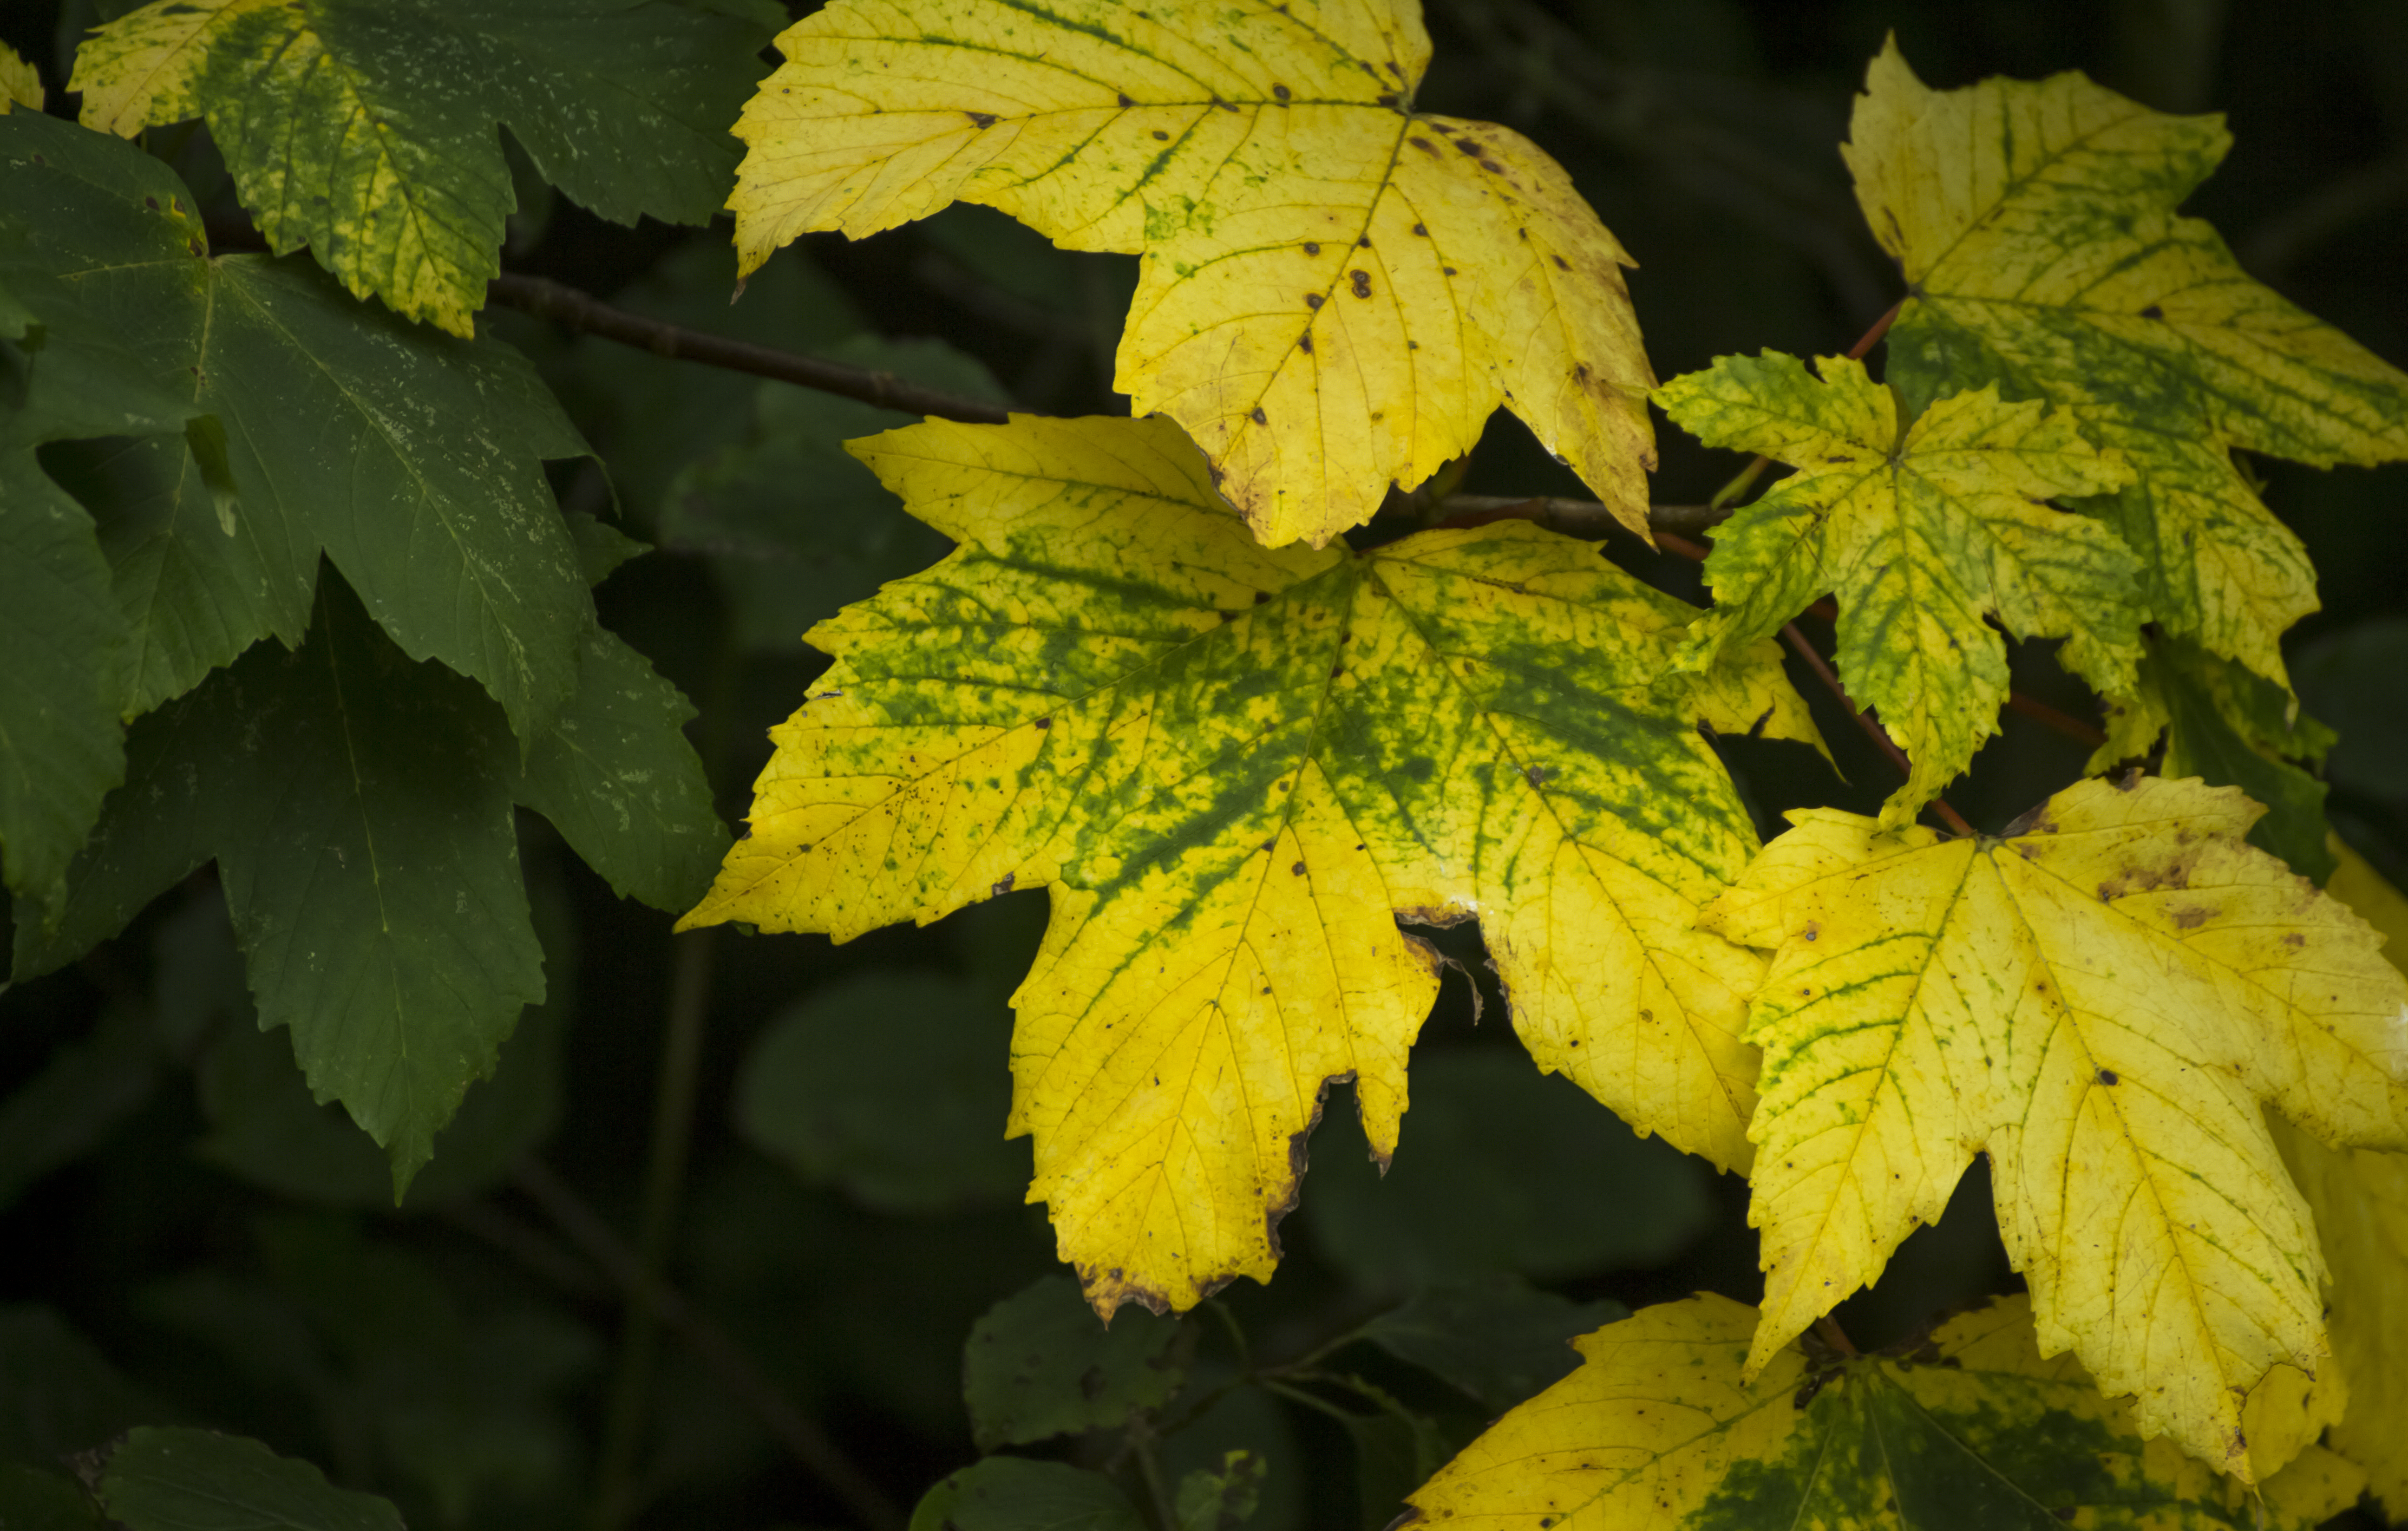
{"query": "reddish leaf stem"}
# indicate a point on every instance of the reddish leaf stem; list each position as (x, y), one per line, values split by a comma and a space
(1873, 731)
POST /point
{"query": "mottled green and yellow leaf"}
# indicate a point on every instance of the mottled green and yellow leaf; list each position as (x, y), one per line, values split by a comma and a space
(1663, 1428)
(365, 129)
(2036, 225)
(1239, 768)
(1925, 530)
(1336, 291)
(2100, 1002)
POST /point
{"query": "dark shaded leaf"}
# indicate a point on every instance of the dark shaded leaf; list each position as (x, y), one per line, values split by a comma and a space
(1041, 1364)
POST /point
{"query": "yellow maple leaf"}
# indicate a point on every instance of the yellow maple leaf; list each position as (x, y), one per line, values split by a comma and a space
(1924, 530)
(1238, 766)
(21, 83)
(2036, 225)
(1664, 1428)
(1336, 292)
(2099, 1001)
(2361, 1199)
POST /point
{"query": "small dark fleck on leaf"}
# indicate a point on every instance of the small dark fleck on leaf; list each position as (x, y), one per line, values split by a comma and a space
(1304, 343)
(1127, 100)
(1260, 418)
(1422, 229)
(152, 202)
(1313, 300)
(1365, 241)
(1163, 136)
(1262, 595)
(1362, 283)
(2107, 1075)
(1313, 247)
(1423, 143)
(1562, 265)
(1448, 269)
(1297, 869)
(1045, 723)
(2153, 311)
(1387, 98)
(984, 119)
(1281, 91)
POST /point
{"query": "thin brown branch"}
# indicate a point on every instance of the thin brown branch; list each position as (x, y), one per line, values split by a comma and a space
(2062, 722)
(1573, 518)
(566, 305)
(798, 1432)
(1872, 729)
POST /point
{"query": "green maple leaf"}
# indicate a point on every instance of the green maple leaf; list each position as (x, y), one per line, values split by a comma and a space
(1924, 530)
(1663, 1428)
(413, 460)
(1239, 766)
(365, 129)
(2036, 226)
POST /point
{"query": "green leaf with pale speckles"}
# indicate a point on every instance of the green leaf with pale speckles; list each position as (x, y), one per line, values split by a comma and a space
(2036, 225)
(1970, 1429)
(1238, 766)
(1923, 529)
(413, 460)
(365, 129)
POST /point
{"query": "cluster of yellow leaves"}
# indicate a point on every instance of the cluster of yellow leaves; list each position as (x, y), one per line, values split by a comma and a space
(1236, 762)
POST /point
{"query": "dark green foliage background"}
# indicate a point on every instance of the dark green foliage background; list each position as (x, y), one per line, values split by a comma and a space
(186, 1239)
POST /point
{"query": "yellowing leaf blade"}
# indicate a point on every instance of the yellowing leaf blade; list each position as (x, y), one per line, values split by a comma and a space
(2036, 225)
(2360, 1197)
(1336, 292)
(1922, 534)
(2099, 1002)
(1241, 766)
(1660, 1429)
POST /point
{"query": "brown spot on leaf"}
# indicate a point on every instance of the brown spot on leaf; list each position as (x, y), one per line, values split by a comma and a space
(1362, 280)
(1259, 418)
(1561, 265)
(2153, 311)
(1296, 870)
(1161, 135)
(2192, 916)
(984, 119)
(2107, 1075)
(1304, 342)
(1283, 93)
(1311, 247)
(1043, 722)
(1003, 885)
(1313, 300)
(1127, 100)
(1423, 143)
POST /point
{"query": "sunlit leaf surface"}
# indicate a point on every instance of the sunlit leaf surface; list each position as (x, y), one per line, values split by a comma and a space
(1924, 531)
(1337, 292)
(1239, 766)
(2042, 250)
(2100, 1002)
(1663, 1429)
